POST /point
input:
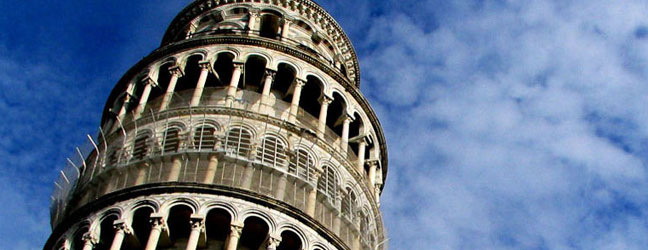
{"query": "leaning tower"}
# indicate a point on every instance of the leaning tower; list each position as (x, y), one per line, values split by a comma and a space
(246, 129)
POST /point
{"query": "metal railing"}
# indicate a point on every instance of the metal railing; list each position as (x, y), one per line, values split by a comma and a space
(122, 159)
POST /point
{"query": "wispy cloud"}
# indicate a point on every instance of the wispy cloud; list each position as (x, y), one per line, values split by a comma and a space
(512, 124)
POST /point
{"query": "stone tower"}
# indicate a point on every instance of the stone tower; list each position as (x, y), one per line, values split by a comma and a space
(246, 129)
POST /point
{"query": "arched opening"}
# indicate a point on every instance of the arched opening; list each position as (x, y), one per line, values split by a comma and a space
(310, 96)
(285, 77)
(179, 225)
(348, 204)
(238, 141)
(191, 74)
(141, 228)
(138, 90)
(218, 228)
(208, 22)
(223, 67)
(205, 137)
(290, 241)
(336, 110)
(106, 232)
(164, 77)
(141, 146)
(302, 165)
(171, 141)
(77, 240)
(355, 129)
(327, 183)
(255, 68)
(255, 233)
(272, 151)
(270, 24)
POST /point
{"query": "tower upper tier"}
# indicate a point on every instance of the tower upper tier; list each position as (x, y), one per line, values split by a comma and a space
(320, 34)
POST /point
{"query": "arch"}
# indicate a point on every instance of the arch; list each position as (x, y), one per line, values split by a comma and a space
(223, 68)
(163, 79)
(191, 73)
(320, 246)
(356, 129)
(178, 221)
(141, 145)
(285, 77)
(302, 164)
(204, 135)
(171, 139)
(290, 241)
(272, 150)
(106, 231)
(223, 206)
(328, 182)
(181, 201)
(311, 95)
(349, 201)
(254, 72)
(78, 235)
(336, 113)
(260, 214)
(238, 10)
(255, 233)
(270, 24)
(238, 141)
(141, 225)
(217, 226)
(146, 203)
(297, 232)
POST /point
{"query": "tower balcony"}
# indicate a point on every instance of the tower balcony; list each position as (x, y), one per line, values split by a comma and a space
(247, 145)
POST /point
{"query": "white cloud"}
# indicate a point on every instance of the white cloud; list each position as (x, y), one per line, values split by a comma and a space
(513, 124)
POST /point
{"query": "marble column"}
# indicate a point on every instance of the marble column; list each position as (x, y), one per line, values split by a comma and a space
(267, 86)
(148, 84)
(89, 241)
(158, 226)
(321, 128)
(235, 235)
(211, 170)
(200, 86)
(121, 229)
(285, 28)
(362, 147)
(344, 144)
(175, 74)
(127, 98)
(233, 86)
(197, 227)
(294, 105)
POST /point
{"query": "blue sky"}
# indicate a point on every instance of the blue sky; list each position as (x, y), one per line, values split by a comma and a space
(511, 124)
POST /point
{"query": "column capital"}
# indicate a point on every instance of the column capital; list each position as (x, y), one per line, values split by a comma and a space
(121, 225)
(287, 20)
(157, 222)
(176, 70)
(236, 230)
(204, 65)
(197, 223)
(270, 73)
(372, 163)
(326, 99)
(348, 118)
(273, 242)
(238, 65)
(255, 12)
(89, 238)
(300, 82)
(148, 81)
